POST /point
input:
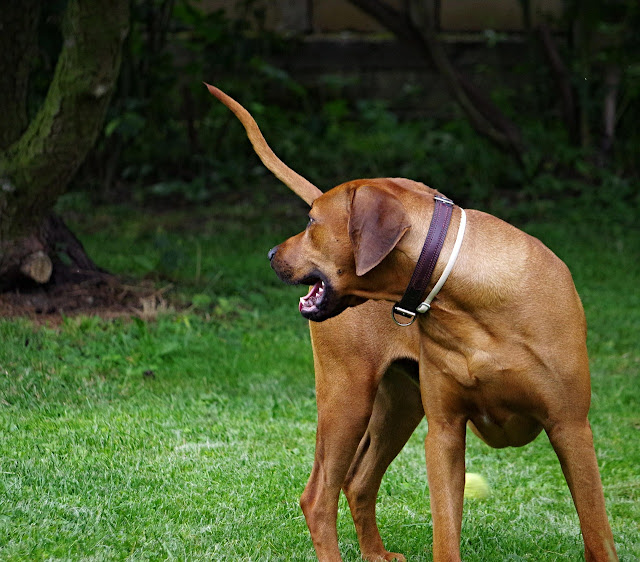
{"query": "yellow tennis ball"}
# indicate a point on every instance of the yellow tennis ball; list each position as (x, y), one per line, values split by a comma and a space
(476, 487)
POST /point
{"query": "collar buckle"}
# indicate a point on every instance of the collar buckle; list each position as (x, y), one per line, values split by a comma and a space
(404, 313)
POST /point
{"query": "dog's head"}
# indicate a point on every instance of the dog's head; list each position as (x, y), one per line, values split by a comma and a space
(348, 252)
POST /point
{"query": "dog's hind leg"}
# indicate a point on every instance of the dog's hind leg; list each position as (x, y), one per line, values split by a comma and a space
(345, 398)
(344, 409)
(351, 355)
(396, 413)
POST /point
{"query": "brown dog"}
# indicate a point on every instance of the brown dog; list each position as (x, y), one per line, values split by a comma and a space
(502, 349)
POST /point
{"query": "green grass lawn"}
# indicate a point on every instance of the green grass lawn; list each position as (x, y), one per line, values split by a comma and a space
(191, 437)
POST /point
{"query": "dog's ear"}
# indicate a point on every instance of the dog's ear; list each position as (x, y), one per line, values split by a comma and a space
(377, 221)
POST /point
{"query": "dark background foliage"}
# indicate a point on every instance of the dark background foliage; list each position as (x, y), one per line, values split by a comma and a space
(166, 141)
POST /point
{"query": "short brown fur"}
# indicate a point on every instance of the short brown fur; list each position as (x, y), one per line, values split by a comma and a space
(503, 349)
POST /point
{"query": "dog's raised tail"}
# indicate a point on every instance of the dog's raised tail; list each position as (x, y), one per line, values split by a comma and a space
(299, 185)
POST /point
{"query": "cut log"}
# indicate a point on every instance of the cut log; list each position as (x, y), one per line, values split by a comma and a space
(52, 255)
(37, 266)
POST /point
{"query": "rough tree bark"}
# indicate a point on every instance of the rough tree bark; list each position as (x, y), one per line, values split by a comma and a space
(38, 159)
(415, 25)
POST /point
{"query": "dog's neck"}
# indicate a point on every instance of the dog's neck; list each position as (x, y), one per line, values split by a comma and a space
(412, 301)
(392, 280)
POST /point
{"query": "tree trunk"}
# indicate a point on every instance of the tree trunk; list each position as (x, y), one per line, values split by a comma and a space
(17, 51)
(38, 166)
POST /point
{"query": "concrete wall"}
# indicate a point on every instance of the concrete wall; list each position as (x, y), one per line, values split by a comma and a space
(337, 16)
(337, 48)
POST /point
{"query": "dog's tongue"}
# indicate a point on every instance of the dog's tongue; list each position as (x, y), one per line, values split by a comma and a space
(312, 298)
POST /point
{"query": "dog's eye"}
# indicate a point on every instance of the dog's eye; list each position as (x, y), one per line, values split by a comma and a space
(311, 221)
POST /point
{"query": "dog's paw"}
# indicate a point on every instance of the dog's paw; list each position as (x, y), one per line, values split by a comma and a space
(385, 556)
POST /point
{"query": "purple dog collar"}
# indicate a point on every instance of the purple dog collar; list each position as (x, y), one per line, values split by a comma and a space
(412, 298)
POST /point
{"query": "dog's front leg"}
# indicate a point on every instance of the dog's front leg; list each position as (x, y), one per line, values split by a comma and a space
(444, 449)
(573, 443)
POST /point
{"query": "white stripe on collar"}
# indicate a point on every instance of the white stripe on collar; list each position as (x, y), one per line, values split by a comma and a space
(426, 304)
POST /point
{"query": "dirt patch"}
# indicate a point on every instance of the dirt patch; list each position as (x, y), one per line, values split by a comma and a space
(106, 297)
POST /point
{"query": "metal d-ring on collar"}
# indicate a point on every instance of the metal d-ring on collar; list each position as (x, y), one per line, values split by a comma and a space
(411, 303)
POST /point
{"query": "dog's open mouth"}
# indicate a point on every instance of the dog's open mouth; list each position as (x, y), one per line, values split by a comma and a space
(311, 302)
(322, 302)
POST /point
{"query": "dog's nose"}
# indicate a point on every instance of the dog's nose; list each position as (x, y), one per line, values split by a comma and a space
(272, 252)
